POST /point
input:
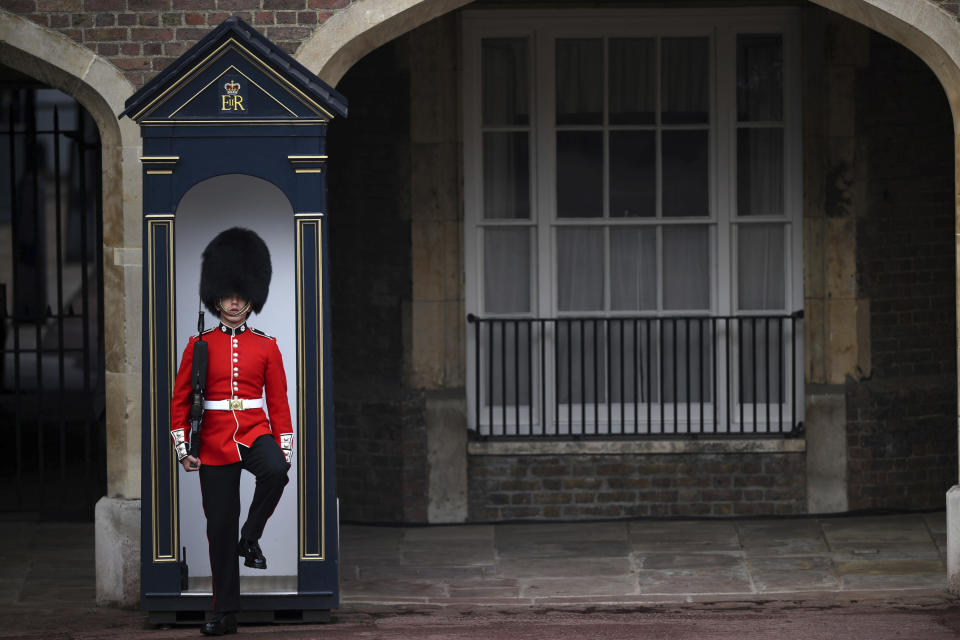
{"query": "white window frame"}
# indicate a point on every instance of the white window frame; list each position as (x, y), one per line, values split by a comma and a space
(542, 27)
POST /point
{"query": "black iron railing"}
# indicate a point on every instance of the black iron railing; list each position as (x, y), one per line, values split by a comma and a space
(678, 376)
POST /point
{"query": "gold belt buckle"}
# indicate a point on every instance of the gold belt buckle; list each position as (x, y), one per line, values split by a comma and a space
(236, 404)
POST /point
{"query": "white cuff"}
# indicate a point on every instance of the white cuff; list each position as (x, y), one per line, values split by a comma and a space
(286, 445)
(179, 444)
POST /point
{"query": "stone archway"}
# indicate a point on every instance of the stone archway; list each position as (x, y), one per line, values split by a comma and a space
(60, 63)
(922, 27)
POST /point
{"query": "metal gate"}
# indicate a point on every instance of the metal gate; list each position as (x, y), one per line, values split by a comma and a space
(51, 310)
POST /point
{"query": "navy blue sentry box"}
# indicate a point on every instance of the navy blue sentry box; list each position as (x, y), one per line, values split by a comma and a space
(235, 103)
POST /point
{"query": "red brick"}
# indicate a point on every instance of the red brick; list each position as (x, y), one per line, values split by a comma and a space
(185, 34)
(42, 19)
(74, 34)
(171, 19)
(19, 6)
(307, 17)
(59, 5)
(288, 47)
(193, 5)
(132, 64)
(194, 18)
(215, 18)
(327, 4)
(286, 17)
(131, 49)
(59, 20)
(108, 49)
(149, 34)
(105, 19)
(127, 19)
(237, 5)
(174, 49)
(106, 34)
(152, 49)
(149, 19)
(284, 4)
(104, 5)
(150, 5)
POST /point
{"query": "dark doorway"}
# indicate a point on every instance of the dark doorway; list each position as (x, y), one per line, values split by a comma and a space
(51, 312)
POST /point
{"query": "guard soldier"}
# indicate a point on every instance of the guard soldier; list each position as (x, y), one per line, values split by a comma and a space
(245, 371)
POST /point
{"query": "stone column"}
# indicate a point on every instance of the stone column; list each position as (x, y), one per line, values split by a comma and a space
(436, 349)
(837, 321)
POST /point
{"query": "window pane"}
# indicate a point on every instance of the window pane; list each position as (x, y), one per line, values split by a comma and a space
(760, 172)
(579, 80)
(579, 174)
(761, 264)
(580, 269)
(506, 94)
(633, 81)
(633, 174)
(685, 68)
(506, 270)
(686, 267)
(506, 175)
(759, 77)
(633, 269)
(685, 180)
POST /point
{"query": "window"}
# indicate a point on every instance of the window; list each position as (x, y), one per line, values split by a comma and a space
(633, 222)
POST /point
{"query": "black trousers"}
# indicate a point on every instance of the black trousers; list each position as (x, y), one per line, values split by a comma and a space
(220, 487)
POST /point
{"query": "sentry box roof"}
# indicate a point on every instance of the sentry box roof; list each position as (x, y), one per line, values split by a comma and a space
(235, 76)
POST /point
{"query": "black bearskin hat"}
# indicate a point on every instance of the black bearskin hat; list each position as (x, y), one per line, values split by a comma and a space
(237, 261)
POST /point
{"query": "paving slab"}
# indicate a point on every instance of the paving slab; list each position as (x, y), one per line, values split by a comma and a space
(684, 535)
(791, 573)
(796, 536)
(566, 568)
(606, 586)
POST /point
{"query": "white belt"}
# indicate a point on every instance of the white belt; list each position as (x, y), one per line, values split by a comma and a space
(235, 404)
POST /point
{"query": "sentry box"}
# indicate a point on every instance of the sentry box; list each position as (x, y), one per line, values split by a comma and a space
(234, 134)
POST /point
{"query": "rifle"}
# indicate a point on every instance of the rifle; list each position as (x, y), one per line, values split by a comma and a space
(198, 381)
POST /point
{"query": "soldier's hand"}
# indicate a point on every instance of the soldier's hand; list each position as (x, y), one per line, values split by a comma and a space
(190, 463)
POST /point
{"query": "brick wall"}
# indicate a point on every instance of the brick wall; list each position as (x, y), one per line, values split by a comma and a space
(141, 37)
(369, 239)
(901, 430)
(618, 486)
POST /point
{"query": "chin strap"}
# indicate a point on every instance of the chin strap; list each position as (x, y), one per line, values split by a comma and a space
(245, 310)
(179, 444)
(286, 445)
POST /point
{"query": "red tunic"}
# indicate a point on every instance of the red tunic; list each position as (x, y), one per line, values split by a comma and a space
(243, 363)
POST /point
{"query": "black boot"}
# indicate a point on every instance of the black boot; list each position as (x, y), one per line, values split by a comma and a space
(222, 624)
(251, 553)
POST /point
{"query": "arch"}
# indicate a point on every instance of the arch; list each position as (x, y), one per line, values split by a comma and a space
(363, 26)
(351, 33)
(922, 27)
(96, 84)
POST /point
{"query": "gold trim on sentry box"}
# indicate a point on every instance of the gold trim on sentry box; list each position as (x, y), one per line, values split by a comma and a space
(156, 222)
(217, 79)
(213, 57)
(310, 223)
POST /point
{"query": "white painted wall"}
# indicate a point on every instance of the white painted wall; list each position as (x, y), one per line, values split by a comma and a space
(207, 209)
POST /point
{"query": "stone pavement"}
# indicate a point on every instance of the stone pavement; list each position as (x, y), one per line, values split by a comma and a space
(644, 561)
(47, 573)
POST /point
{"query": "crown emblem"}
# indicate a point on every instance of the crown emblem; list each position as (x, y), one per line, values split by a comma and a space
(232, 87)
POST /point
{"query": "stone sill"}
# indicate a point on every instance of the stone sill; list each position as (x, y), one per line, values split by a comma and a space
(620, 447)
